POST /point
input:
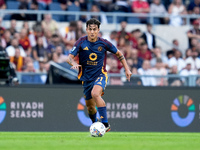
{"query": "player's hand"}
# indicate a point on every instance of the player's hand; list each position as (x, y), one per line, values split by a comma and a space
(75, 66)
(128, 75)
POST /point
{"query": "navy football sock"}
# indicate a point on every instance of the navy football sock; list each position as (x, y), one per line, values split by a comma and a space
(93, 117)
(103, 114)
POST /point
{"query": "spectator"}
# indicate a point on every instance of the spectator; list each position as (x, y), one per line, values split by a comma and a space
(188, 53)
(102, 17)
(2, 4)
(198, 78)
(175, 47)
(79, 29)
(21, 16)
(46, 38)
(158, 55)
(192, 5)
(176, 9)
(7, 38)
(114, 69)
(144, 53)
(38, 32)
(112, 37)
(63, 4)
(26, 26)
(121, 6)
(141, 6)
(104, 5)
(55, 41)
(42, 66)
(24, 42)
(12, 28)
(176, 60)
(17, 60)
(194, 32)
(2, 29)
(160, 70)
(49, 24)
(39, 52)
(11, 49)
(45, 3)
(174, 81)
(34, 6)
(137, 61)
(158, 8)
(135, 35)
(58, 55)
(149, 37)
(123, 33)
(2, 42)
(31, 79)
(69, 33)
(186, 72)
(195, 13)
(193, 60)
(145, 70)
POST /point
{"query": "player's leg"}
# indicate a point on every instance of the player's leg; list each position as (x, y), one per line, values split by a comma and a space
(92, 112)
(90, 102)
(96, 95)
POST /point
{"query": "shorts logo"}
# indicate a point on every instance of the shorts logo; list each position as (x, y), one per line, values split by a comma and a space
(183, 111)
(100, 48)
(2, 109)
(81, 109)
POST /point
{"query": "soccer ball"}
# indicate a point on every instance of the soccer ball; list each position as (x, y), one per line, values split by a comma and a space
(97, 129)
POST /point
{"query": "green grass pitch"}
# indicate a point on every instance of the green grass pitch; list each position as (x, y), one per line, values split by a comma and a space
(110, 141)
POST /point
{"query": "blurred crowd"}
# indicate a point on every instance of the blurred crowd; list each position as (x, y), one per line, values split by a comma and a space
(145, 57)
(173, 7)
(31, 48)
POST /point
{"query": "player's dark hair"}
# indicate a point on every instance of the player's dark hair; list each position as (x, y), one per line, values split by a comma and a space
(93, 21)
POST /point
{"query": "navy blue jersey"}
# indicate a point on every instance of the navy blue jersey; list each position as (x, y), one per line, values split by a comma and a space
(92, 57)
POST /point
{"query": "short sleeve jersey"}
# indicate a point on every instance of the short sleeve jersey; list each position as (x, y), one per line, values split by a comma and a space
(92, 57)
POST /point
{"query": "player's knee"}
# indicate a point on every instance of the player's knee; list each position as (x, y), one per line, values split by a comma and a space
(95, 95)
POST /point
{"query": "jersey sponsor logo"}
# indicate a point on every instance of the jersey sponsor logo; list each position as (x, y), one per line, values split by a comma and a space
(100, 48)
(86, 48)
(73, 48)
(93, 56)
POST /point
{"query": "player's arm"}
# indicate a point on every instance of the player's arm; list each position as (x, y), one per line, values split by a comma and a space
(122, 59)
(70, 60)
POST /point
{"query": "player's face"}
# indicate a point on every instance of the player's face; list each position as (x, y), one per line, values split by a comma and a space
(92, 31)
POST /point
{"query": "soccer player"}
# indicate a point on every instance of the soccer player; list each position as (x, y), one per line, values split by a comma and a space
(92, 52)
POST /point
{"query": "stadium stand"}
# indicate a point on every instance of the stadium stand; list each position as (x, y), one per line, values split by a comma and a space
(164, 33)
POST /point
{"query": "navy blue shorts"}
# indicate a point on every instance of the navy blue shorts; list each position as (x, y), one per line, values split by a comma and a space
(88, 85)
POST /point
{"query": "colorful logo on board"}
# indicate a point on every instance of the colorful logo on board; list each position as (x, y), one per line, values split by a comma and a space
(2, 109)
(82, 113)
(183, 111)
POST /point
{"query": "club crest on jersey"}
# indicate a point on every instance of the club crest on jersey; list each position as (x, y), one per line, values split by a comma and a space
(100, 48)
